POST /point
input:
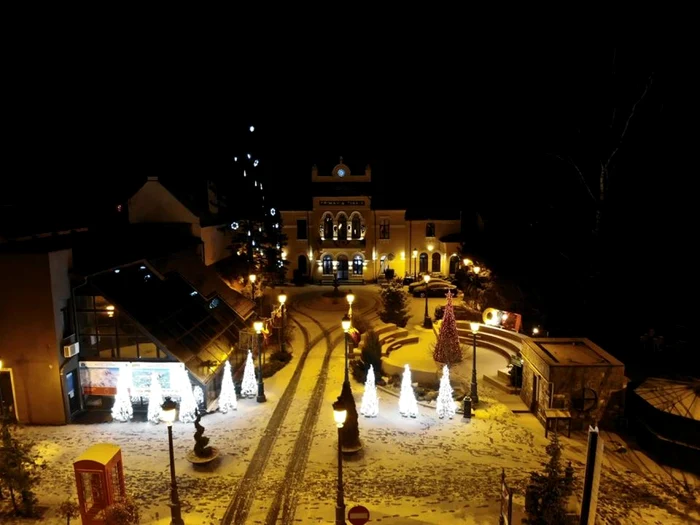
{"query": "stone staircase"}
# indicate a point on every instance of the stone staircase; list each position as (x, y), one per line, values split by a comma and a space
(391, 337)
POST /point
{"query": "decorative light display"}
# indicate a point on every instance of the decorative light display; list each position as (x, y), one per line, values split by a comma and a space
(273, 211)
(234, 225)
(445, 404)
(199, 397)
(188, 406)
(249, 385)
(408, 406)
(447, 349)
(227, 398)
(122, 409)
(155, 399)
(370, 403)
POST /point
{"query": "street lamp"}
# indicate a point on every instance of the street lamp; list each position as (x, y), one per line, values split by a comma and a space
(476, 269)
(415, 263)
(474, 394)
(252, 277)
(351, 298)
(427, 322)
(258, 326)
(282, 298)
(350, 433)
(168, 411)
(346, 323)
(340, 414)
(466, 261)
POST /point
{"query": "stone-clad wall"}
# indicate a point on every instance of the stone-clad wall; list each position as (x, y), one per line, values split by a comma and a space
(526, 390)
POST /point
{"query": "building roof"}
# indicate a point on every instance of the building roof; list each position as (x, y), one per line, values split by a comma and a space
(100, 453)
(570, 351)
(199, 331)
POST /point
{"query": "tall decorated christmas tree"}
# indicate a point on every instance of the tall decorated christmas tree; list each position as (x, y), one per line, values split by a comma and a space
(122, 409)
(370, 403)
(249, 386)
(447, 349)
(188, 406)
(227, 398)
(445, 404)
(408, 406)
(155, 399)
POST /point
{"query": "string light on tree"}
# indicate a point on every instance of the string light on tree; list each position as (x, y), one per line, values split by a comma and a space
(447, 349)
(249, 385)
(155, 399)
(188, 406)
(199, 397)
(408, 406)
(445, 406)
(227, 398)
(370, 403)
(122, 409)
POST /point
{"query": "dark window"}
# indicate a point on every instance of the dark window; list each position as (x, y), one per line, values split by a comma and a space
(328, 227)
(384, 229)
(343, 228)
(356, 227)
(357, 265)
(327, 265)
(430, 230)
(423, 262)
(436, 262)
(301, 230)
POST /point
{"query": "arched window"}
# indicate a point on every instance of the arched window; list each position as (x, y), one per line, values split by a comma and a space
(454, 264)
(423, 268)
(342, 227)
(357, 265)
(328, 227)
(436, 262)
(356, 227)
(430, 229)
(343, 267)
(327, 264)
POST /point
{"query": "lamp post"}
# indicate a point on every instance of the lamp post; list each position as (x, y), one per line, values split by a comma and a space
(474, 394)
(346, 323)
(351, 298)
(350, 432)
(252, 277)
(258, 326)
(415, 263)
(340, 414)
(167, 415)
(427, 322)
(282, 298)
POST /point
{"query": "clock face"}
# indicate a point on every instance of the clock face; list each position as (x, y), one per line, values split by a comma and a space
(341, 172)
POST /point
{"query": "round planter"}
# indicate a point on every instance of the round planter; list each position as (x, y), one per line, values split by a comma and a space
(196, 460)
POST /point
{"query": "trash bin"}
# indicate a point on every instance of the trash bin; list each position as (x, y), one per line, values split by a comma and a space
(467, 407)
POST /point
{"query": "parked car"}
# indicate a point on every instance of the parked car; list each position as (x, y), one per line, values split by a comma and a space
(421, 282)
(462, 313)
(434, 289)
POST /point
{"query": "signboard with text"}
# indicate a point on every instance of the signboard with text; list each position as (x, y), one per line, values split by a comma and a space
(99, 378)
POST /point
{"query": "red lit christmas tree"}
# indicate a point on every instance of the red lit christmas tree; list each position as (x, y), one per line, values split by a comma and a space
(447, 349)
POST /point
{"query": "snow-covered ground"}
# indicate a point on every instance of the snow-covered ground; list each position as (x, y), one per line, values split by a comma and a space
(410, 471)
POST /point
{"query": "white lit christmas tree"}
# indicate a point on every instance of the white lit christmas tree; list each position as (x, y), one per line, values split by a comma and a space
(445, 404)
(155, 399)
(199, 397)
(188, 406)
(249, 386)
(122, 409)
(370, 403)
(227, 398)
(408, 406)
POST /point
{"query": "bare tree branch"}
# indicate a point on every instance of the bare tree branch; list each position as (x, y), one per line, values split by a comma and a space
(629, 118)
(580, 174)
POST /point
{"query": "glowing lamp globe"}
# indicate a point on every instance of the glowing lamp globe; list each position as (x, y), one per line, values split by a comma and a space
(415, 253)
(339, 413)
(426, 278)
(168, 411)
(350, 297)
(252, 277)
(477, 269)
(535, 331)
(474, 327)
(467, 262)
(258, 326)
(282, 297)
(346, 323)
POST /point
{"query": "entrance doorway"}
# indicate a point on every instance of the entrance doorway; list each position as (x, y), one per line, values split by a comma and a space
(7, 398)
(343, 267)
(436, 263)
(301, 265)
(454, 264)
(72, 392)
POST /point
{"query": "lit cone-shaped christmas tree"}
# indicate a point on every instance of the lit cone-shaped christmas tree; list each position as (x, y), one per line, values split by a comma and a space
(188, 406)
(122, 409)
(249, 386)
(445, 404)
(408, 406)
(370, 403)
(227, 398)
(447, 349)
(155, 399)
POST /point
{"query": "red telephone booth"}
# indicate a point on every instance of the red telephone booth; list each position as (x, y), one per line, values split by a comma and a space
(99, 477)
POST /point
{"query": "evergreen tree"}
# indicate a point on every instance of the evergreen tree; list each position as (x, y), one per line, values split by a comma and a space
(227, 398)
(445, 403)
(122, 409)
(188, 406)
(370, 403)
(395, 304)
(249, 386)
(155, 399)
(408, 406)
(447, 349)
(546, 494)
(19, 471)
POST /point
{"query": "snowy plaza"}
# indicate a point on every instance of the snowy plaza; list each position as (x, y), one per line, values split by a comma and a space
(277, 460)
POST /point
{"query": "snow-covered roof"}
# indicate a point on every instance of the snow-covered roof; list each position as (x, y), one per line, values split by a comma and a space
(100, 453)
